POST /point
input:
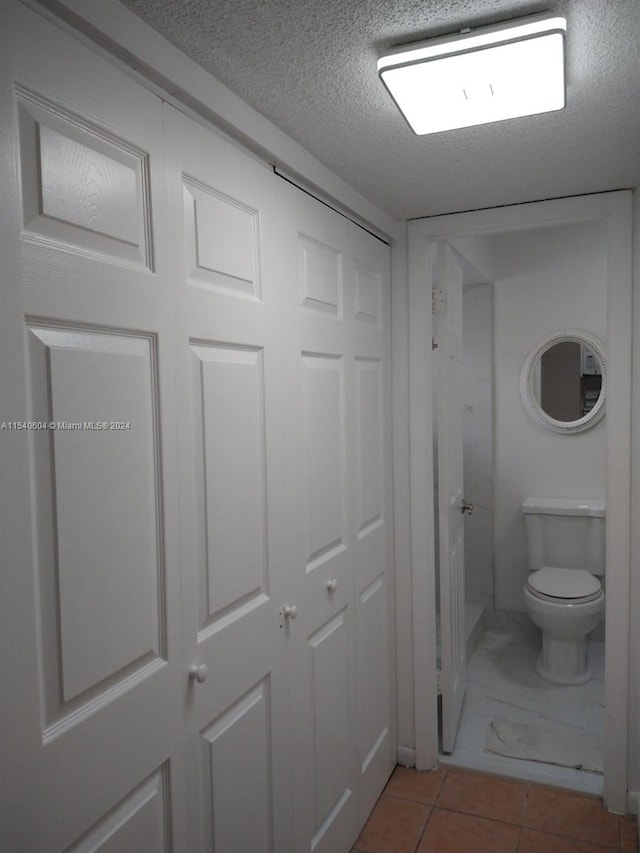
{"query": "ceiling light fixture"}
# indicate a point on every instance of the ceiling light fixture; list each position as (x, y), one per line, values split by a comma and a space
(479, 76)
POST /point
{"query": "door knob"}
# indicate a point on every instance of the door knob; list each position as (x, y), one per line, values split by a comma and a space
(465, 507)
(290, 612)
(332, 585)
(198, 672)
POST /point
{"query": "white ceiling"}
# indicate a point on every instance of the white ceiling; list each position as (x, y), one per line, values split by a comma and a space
(310, 67)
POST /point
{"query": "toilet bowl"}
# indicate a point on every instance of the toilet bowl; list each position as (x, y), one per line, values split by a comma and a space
(563, 595)
(566, 604)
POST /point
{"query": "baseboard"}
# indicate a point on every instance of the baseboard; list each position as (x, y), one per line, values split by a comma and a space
(406, 756)
(633, 806)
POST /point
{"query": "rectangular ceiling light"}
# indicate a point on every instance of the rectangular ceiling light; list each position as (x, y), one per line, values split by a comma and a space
(479, 76)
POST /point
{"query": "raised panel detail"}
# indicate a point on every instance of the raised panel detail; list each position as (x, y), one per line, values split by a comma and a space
(330, 685)
(320, 277)
(228, 394)
(238, 766)
(81, 187)
(372, 674)
(97, 502)
(368, 293)
(139, 822)
(370, 431)
(323, 395)
(222, 236)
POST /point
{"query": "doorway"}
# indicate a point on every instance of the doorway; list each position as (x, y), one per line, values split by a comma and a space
(612, 213)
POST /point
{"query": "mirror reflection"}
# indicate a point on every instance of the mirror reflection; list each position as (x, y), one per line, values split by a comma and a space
(567, 381)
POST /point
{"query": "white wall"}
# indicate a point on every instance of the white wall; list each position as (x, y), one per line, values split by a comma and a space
(401, 500)
(544, 281)
(477, 393)
(634, 634)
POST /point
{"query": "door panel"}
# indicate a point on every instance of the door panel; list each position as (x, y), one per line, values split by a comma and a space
(323, 407)
(369, 472)
(139, 822)
(92, 725)
(97, 569)
(237, 758)
(320, 277)
(228, 395)
(81, 187)
(339, 477)
(372, 525)
(222, 241)
(374, 733)
(230, 307)
(329, 654)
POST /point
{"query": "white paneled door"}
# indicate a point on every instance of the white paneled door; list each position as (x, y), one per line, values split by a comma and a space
(231, 307)
(339, 474)
(92, 671)
(196, 609)
(451, 504)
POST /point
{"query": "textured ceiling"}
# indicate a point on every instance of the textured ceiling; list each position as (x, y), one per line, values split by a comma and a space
(310, 67)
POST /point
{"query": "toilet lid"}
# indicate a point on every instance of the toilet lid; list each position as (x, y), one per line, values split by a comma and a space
(564, 583)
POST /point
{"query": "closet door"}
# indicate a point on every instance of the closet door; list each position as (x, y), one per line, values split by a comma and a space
(92, 669)
(231, 315)
(373, 520)
(338, 438)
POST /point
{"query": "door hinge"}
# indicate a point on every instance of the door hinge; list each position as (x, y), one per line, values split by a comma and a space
(438, 300)
(441, 682)
(434, 343)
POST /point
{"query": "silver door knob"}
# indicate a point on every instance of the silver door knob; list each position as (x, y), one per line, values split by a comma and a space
(332, 584)
(290, 612)
(198, 672)
(465, 507)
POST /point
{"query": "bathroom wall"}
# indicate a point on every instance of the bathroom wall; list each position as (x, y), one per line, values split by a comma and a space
(544, 281)
(477, 393)
(634, 608)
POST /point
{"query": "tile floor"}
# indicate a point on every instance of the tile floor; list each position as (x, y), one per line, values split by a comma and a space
(502, 683)
(451, 810)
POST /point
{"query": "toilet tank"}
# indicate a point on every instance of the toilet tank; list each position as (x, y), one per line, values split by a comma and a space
(565, 534)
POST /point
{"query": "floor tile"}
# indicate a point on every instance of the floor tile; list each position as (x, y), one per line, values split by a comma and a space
(572, 815)
(629, 834)
(483, 795)
(533, 841)
(451, 832)
(394, 826)
(423, 787)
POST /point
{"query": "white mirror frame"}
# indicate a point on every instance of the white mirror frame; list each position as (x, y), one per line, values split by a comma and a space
(527, 383)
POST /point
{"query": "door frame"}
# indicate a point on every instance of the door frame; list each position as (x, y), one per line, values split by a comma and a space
(449, 476)
(614, 210)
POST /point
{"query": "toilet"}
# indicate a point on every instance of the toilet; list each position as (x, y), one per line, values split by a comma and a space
(563, 596)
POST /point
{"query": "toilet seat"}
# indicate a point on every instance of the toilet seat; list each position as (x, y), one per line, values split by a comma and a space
(564, 586)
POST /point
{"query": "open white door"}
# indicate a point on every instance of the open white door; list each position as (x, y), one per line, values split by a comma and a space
(450, 502)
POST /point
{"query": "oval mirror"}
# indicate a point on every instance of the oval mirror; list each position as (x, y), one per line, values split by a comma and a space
(563, 381)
